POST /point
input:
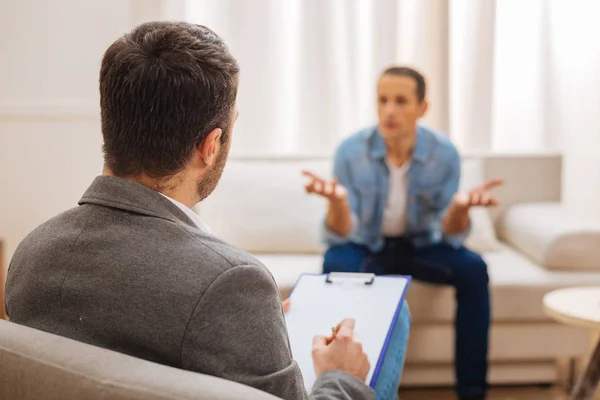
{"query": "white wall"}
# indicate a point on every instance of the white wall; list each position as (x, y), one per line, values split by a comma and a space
(50, 140)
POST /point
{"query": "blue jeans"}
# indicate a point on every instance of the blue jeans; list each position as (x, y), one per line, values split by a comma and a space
(388, 382)
(439, 264)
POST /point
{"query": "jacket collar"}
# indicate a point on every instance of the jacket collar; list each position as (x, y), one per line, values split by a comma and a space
(377, 149)
(123, 194)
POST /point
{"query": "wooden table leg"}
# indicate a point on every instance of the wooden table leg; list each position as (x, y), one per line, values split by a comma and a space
(586, 386)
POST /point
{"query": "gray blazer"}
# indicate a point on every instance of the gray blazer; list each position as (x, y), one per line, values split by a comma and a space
(129, 271)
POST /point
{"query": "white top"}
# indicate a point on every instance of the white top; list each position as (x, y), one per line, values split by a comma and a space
(191, 214)
(578, 306)
(394, 215)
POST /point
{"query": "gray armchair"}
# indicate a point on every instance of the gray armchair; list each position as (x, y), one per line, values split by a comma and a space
(38, 365)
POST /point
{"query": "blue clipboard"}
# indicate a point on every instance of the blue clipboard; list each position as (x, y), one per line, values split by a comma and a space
(362, 292)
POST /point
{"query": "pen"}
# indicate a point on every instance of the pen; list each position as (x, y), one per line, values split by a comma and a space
(334, 330)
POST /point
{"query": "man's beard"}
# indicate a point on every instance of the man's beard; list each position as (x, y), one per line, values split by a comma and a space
(205, 187)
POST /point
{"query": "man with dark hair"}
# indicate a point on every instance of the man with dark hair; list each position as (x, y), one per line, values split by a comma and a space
(394, 209)
(133, 269)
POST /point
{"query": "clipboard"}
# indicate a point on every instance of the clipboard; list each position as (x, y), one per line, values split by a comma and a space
(320, 302)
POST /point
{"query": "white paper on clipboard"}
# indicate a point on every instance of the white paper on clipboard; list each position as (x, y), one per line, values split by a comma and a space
(317, 306)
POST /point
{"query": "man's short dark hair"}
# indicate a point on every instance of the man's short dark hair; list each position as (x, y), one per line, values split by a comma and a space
(410, 73)
(163, 87)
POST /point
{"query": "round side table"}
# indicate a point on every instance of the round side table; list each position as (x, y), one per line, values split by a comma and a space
(579, 307)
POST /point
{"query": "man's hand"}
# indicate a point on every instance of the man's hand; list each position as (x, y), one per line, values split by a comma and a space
(339, 214)
(331, 190)
(342, 352)
(478, 196)
(456, 219)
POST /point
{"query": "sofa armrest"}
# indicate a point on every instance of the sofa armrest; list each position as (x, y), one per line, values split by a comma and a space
(552, 236)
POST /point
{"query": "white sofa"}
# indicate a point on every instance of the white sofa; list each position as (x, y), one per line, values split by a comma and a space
(260, 205)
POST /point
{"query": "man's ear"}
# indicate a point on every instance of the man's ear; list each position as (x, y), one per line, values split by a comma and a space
(424, 107)
(210, 146)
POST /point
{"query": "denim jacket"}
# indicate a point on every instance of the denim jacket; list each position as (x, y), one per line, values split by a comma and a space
(433, 179)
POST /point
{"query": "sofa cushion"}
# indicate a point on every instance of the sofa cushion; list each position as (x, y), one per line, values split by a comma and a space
(261, 206)
(508, 341)
(503, 373)
(517, 285)
(553, 237)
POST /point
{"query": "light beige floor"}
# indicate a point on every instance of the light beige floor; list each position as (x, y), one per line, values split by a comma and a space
(514, 393)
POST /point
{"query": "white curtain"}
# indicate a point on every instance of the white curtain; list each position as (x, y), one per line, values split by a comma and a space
(573, 108)
(504, 75)
(309, 67)
(525, 77)
(498, 74)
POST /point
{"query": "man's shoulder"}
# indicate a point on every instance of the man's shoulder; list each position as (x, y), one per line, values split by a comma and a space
(231, 255)
(130, 237)
(356, 143)
(47, 238)
(203, 257)
(440, 143)
(111, 248)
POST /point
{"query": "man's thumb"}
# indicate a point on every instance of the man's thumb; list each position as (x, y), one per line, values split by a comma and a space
(346, 328)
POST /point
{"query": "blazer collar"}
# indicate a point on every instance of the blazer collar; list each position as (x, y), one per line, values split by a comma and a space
(123, 194)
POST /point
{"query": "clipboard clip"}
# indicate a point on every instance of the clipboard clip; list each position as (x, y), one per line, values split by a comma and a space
(368, 278)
